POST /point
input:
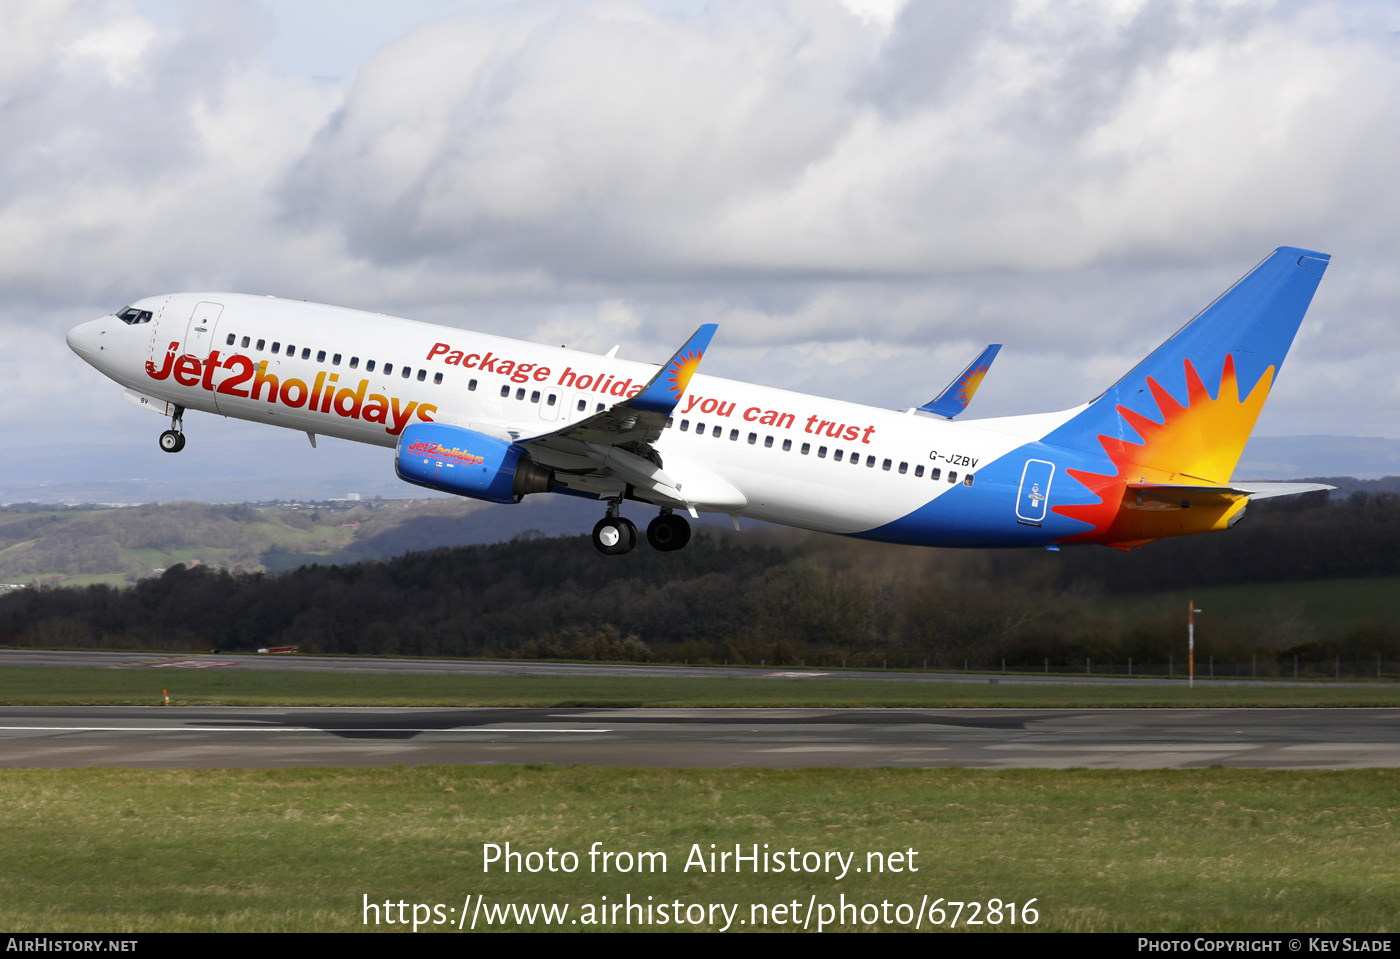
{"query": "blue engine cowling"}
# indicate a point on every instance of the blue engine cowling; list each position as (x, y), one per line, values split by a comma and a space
(461, 461)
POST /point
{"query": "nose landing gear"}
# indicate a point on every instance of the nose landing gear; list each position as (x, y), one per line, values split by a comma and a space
(668, 532)
(173, 439)
(615, 534)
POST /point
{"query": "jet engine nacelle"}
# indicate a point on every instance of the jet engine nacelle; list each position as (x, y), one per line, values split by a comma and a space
(461, 461)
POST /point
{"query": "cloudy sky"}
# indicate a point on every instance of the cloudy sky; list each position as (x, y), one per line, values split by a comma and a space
(861, 193)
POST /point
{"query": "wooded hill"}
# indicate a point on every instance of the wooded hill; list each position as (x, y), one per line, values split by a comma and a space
(781, 597)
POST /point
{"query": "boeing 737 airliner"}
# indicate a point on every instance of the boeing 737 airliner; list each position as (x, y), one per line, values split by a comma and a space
(499, 419)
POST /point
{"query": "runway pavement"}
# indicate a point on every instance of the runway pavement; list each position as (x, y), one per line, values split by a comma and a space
(388, 666)
(261, 737)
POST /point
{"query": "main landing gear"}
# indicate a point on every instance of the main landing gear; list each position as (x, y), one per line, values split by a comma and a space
(173, 439)
(668, 532)
(615, 534)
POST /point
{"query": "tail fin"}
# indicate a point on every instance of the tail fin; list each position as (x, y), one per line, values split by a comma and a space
(957, 394)
(1186, 411)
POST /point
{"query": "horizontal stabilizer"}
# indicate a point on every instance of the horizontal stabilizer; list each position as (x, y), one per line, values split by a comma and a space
(957, 394)
(1201, 495)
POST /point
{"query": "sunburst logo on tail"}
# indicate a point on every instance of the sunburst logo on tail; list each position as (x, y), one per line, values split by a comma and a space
(682, 369)
(1198, 444)
(970, 381)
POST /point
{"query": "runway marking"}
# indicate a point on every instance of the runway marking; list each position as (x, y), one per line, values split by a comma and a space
(276, 729)
(788, 674)
(187, 664)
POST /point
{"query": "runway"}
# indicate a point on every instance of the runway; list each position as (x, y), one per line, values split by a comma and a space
(265, 737)
(400, 666)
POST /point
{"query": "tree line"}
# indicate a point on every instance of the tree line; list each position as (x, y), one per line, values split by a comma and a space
(777, 596)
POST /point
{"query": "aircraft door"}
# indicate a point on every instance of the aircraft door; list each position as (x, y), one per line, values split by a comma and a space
(199, 334)
(550, 404)
(1033, 499)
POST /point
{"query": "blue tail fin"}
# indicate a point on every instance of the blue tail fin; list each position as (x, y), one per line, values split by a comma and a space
(1188, 408)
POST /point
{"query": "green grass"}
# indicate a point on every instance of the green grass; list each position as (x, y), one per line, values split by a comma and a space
(237, 686)
(297, 849)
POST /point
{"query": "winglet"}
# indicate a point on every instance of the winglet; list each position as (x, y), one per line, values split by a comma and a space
(664, 390)
(957, 394)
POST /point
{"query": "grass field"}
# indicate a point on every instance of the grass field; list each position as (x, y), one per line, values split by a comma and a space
(245, 687)
(1213, 849)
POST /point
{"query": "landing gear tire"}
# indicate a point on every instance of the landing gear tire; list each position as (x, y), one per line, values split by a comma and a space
(668, 532)
(172, 441)
(614, 535)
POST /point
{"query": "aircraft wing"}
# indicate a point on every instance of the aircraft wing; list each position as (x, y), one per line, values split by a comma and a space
(957, 394)
(610, 450)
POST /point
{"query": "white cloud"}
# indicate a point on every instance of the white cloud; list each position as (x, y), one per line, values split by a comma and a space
(860, 192)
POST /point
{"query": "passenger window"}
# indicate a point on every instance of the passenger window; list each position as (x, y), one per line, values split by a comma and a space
(670, 420)
(407, 372)
(553, 398)
(869, 460)
(505, 391)
(320, 355)
(471, 385)
(904, 467)
(952, 476)
(306, 352)
(261, 344)
(720, 429)
(885, 465)
(244, 344)
(354, 360)
(733, 436)
(437, 379)
(519, 394)
(767, 442)
(967, 480)
(582, 405)
(600, 408)
(753, 438)
(919, 470)
(935, 473)
(335, 360)
(685, 425)
(276, 347)
(389, 368)
(291, 350)
(700, 428)
(836, 456)
(787, 445)
(806, 448)
(369, 366)
(422, 375)
(231, 338)
(535, 396)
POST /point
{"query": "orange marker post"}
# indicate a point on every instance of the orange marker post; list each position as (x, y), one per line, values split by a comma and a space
(1191, 612)
(167, 696)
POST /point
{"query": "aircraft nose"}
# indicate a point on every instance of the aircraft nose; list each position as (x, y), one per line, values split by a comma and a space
(84, 339)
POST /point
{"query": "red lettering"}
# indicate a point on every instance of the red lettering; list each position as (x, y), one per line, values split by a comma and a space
(852, 433)
(210, 365)
(454, 358)
(691, 406)
(164, 370)
(487, 364)
(356, 397)
(868, 431)
(290, 387)
(438, 349)
(810, 421)
(471, 360)
(229, 387)
(400, 417)
(541, 374)
(751, 410)
(187, 366)
(259, 379)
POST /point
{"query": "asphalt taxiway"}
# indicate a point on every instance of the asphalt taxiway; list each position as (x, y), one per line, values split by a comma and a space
(264, 737)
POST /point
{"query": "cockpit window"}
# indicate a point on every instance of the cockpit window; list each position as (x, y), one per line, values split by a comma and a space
(130, 315)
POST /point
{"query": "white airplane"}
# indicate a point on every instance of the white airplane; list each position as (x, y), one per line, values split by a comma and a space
(499, 419)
